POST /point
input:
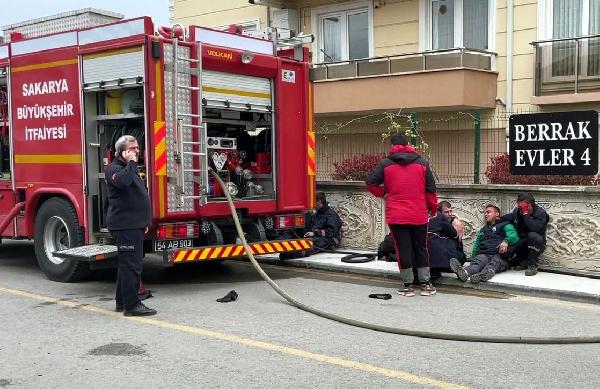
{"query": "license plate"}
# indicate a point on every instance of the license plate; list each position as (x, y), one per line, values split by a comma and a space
(161, 245)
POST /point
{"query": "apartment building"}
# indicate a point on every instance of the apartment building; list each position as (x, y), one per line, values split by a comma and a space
(450, 70)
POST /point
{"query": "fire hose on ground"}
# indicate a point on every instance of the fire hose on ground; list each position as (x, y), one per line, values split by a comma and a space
(381, 328)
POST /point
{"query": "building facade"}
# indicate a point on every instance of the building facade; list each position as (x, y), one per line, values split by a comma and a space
(451, 71)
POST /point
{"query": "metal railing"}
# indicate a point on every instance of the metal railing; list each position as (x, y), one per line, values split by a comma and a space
(569, 65)
(404, 63)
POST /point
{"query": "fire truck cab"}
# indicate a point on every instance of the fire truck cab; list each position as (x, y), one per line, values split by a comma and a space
(195, 100)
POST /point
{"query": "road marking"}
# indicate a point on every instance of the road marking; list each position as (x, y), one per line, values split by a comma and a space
(391, 373)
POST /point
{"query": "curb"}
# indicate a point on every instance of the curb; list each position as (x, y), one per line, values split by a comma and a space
(444, 280)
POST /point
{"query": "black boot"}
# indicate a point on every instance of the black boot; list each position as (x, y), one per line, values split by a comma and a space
(140, 310)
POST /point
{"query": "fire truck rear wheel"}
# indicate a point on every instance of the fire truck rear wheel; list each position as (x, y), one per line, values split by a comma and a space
(57, 228)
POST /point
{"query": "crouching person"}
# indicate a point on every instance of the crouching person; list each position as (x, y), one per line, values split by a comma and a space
(530, 221)
(491, 244)
(323, 226)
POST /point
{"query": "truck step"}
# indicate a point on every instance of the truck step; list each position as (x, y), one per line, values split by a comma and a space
(91, 252)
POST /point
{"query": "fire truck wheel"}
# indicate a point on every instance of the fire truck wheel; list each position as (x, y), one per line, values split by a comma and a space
(57, 228)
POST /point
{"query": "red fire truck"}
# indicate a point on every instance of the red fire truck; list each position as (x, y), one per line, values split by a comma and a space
(195, 100)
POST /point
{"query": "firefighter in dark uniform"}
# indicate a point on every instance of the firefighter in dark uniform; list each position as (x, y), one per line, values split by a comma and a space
(323, 226)
(128, 218)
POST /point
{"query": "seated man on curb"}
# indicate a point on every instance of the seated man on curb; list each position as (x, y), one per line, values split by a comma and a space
(531, 221)
(493, 240)
(444, 239)
(323, 226)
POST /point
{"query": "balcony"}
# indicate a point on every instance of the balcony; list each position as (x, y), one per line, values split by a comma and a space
(567, 70)
(432, 80)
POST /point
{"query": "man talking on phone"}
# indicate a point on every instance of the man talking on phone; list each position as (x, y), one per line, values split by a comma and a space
(128, 218)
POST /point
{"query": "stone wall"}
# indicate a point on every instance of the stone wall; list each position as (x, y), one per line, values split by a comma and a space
(573, 231)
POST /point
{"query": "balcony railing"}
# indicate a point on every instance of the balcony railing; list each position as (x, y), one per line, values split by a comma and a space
(404, 63)
(567, 65)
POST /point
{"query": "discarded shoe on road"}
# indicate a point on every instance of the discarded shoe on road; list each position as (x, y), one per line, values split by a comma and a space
(231, 296)
(381, 296)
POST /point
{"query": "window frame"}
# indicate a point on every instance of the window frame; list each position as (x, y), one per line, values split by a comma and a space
(546, 31)
(343, 9)
(426, 27)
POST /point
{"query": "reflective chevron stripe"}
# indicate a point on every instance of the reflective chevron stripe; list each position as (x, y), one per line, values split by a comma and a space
(232, 251)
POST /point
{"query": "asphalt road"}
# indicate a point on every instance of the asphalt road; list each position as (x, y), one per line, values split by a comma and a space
(55, 335)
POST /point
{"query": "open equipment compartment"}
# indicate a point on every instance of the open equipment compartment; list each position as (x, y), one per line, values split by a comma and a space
(240, 149)
(109, 114)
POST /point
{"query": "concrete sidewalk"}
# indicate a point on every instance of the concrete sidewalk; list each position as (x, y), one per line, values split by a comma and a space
(544, 284)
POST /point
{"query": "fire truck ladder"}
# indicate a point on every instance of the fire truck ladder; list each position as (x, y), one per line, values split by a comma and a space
(185, 158)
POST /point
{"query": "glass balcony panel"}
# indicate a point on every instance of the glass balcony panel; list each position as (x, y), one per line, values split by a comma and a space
(319, 73)
(593, 65)
(406, 64)
(476, 61)
(341, 71)
(442, 61)
(372, 68)
(562, 68)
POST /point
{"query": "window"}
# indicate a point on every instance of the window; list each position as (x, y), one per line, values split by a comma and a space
(570, 19)
(343, 32)
(447, 24)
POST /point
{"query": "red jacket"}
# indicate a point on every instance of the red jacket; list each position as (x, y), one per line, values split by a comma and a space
(409, 185)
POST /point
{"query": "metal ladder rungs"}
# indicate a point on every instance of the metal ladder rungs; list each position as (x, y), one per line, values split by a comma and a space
(191, 125)
(188, 87)
(192, 143)
(191, 197)
(193, 170)
(189, 115)
(188, 59)
(194, 153)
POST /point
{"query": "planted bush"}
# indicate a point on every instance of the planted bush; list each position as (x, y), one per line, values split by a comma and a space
(355, 168)
(498, 172)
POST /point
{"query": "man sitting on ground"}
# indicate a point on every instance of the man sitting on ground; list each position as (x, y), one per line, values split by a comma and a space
(530, 221)
(493, 240)
(444, 239)
(323, 226)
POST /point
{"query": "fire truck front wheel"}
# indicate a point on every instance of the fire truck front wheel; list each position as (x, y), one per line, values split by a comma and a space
(57, 228)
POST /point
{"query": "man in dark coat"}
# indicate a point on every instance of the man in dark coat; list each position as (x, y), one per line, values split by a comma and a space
(128, 218)
(323, 226)
(530, 221)
(406, 182)
(444, 239)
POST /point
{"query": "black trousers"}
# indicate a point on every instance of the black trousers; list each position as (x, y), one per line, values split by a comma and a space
(410, 242)
(526, 251)
(130, 244)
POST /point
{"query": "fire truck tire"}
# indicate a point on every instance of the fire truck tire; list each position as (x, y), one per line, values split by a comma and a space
(57, 228)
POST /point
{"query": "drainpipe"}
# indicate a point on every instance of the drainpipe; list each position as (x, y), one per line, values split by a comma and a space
(509, 59)
(268, 16)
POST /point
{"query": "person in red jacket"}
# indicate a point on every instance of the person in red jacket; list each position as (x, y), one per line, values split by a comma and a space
(405, 180)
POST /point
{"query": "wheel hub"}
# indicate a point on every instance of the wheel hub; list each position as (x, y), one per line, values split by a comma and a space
(56, 238)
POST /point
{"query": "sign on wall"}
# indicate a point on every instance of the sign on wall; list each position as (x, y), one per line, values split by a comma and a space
(557, 143)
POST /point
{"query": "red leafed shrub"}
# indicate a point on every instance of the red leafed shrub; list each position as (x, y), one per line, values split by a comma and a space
(498, 172)
(355, 168)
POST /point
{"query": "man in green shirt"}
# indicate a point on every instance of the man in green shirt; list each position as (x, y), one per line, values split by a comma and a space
(491, 243)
